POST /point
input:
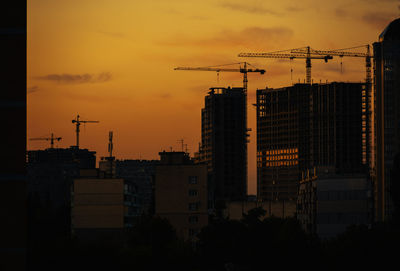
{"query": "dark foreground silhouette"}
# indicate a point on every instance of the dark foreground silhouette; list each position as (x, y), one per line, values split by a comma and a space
(249, 244)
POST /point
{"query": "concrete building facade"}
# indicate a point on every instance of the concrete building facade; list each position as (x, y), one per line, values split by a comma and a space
(140, 173)
(181, 193)
(50, 175)
(387, 115)
(328, 202)
(224, 143)
(103, 203)
(308, 125)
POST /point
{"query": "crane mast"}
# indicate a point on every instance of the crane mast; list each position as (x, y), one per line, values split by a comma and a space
(78, 123)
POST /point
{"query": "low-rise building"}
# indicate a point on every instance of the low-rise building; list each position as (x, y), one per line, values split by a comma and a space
(102, 205)
(50, 174)
(328, 203)
(140, 173)
(181, 193)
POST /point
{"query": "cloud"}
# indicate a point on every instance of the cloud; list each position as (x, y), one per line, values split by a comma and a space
(166, 95)
(248, 8)
(294, 9)
(32, 89)
(341, 13)
(66, 78)
(252, 37)
(378, 19)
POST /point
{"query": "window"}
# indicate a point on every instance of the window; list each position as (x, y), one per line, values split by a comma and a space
(193, 219)
(193, 193)
(192, 179)
(193, 206)
(193, 232)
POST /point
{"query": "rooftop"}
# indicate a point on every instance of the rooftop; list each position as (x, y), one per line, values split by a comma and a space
(391, 32)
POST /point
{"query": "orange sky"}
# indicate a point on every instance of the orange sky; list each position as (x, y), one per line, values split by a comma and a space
(113, 60)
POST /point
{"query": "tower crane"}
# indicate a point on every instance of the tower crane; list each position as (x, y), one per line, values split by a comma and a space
(78, 123)
(292, 54)
(217, 69)
(366, 95)
(52, 138)
(341, 53)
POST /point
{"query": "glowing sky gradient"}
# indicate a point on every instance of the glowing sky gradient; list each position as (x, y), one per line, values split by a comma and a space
(113, 60)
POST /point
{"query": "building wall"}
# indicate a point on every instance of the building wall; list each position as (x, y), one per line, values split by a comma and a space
(387, 114)
(303, 126)
(342, 201)
(328, 203)
(82, 157)
(175, 199)
(283, 145)
(141, 174)
(98, 203)
(339, 136)
(224, 142)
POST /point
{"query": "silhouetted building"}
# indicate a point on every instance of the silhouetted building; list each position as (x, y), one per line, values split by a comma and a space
(107, 165)
(307, 125)
(328, 202)
(224, 143)
(141, 174)
(181, 193)
(283, 145)
(50, 176)
(13, 119)
(387, 114)
(82, 157)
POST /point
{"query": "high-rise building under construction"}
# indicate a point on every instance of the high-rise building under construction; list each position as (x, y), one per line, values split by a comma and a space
(305, 126)
(387, 115)
(224, 143)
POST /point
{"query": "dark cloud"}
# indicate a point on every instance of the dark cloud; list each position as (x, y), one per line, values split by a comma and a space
(260, 38)
(66, 78)
(32, 89)
(341, 13)
(166, 95)
(378, 19)
(294, 9)
(248, 8)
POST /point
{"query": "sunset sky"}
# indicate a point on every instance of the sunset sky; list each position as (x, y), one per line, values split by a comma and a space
(113, 61)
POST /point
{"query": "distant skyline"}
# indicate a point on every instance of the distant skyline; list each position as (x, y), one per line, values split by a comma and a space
(113, 61)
